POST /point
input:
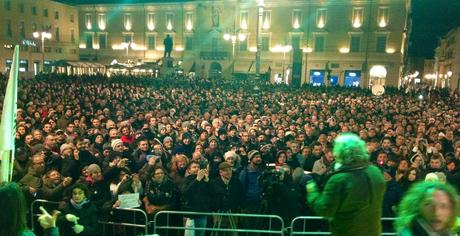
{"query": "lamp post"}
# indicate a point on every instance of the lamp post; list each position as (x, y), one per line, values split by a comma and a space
(284, 49)
(260, 10)
(42, 35)
(448, 75)
(233, 38)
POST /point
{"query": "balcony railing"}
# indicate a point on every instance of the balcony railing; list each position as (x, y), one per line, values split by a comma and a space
(214, 55)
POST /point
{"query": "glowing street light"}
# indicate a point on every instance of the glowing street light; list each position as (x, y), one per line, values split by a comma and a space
(42, 35)
(234, 38)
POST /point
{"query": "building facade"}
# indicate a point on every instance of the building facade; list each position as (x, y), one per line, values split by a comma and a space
(30, 23)
(335, 39)
(447, 61)
(298, 41)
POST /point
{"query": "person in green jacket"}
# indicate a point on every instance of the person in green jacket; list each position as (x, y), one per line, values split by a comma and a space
(353, 195)
(13, 214)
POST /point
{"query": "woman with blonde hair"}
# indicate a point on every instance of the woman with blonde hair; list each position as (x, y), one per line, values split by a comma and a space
(428, 208)
(177, 168)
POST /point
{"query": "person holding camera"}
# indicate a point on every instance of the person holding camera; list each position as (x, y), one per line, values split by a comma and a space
(196, 197)
(352, 197)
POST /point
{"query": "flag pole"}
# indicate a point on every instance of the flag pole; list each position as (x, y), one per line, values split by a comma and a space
(8, 122)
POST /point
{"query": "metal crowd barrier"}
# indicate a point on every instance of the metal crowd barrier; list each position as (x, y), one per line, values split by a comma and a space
(133, 216)
(35, 211)
(267, 224)
(387, 223)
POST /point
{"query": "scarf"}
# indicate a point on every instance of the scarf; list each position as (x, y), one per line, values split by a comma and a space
(79, 206)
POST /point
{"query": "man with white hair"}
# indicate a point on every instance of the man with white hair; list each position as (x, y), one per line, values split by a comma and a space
(353, 196)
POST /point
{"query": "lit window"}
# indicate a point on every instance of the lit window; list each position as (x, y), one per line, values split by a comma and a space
(266, 20)
(169, 21)
(101, 21)
(128, 23)
(189, 21)
(151, 21)
(88, 22)
(244, 20)
(321, 15)
(357, 18)
(383, 17)
(296, 19)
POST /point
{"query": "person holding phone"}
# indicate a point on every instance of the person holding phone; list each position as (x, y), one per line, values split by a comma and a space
(196, 197)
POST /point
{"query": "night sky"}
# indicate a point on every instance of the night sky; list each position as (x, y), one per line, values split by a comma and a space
(431, 19)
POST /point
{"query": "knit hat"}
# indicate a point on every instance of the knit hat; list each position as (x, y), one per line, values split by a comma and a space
(93, 168)
(213, 138)
(221, 131)
(167, 138)
(224, 165)
(106, 146)
(252, 154)
(231, 154)
(65, 146)
(115, 142)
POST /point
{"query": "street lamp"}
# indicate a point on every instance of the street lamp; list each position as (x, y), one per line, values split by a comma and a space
(260, 10)
(43, 35)
(448, 74)
(284, 49)
(233, 38)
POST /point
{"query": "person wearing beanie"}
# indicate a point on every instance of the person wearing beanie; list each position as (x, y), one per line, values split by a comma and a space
(98, 188)
(117, 145)
(65, 146)
(69, 166)
(249, 179)
(222, 139)
(226, 191)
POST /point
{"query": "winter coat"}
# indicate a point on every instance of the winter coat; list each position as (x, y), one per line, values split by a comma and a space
(196, 195)
(226, 197)
(88, 215)
(352, 200)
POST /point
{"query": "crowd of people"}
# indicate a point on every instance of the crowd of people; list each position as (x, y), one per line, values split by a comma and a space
(217, 146)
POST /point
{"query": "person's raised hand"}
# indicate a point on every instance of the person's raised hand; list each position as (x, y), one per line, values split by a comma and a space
(46, 220)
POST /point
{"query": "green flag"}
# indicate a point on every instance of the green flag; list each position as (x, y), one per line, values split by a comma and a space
(8, 122)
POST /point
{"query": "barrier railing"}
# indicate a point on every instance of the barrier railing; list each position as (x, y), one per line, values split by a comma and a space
(320, 222)
(234, 223)
(265, 224)
(35, 212)
(127, 218)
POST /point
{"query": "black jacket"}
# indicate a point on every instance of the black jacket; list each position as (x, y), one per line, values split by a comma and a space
(226, 197)
(196, 195)
(88, 215)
